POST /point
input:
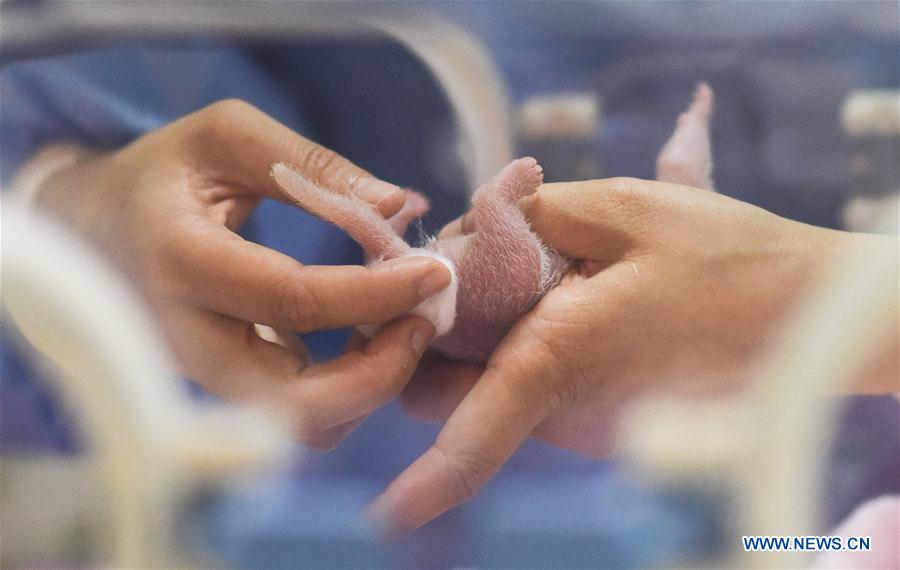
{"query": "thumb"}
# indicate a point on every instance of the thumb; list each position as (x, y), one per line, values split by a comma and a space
(593, 219)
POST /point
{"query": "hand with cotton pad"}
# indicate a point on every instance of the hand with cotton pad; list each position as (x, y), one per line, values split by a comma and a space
(500, 267)
(165, 210)
(671, 290)
(499, 272)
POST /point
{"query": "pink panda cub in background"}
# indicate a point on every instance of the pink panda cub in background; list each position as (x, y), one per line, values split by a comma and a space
(502, 269)
(687, 157)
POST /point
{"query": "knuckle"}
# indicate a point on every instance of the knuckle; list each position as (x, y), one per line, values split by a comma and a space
(620, 183)
(562, 392)
(217, 119)
(551, 383)
(317, 161)
(469, 472)
(295, 305)
(628, 194)
(563, 385)
(228, 108)
(527, 391)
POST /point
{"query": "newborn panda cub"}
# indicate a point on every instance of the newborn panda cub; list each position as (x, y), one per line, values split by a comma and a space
(498, 272)
(503, 269)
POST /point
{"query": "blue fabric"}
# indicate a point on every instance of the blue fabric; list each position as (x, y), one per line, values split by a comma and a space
(107, 98)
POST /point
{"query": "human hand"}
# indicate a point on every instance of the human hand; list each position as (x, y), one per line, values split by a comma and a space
(165, 209)
(673, 290)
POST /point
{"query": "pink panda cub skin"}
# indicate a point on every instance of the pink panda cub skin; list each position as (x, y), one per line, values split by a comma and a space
(878, 519)
(500, 271)
(687, 158)
(503, 267)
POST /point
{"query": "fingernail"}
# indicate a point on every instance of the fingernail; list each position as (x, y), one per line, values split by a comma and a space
(436, 275)
(375, 191)
(437, 279)
(421, 335)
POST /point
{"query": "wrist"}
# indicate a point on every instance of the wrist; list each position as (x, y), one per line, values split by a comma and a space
(877, 369)
(32, 177)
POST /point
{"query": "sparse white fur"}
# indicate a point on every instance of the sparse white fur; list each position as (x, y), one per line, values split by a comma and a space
(375, 234)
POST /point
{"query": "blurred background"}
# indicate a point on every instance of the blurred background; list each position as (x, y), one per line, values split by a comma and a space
(435, 96)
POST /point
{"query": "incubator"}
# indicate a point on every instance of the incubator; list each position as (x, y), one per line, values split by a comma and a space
(119, 463)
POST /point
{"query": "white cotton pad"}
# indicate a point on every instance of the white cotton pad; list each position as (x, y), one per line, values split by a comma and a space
(440, 308)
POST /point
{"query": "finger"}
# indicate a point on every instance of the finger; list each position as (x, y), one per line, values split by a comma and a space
(594, 219)
(451, 230)
(438, 387)
(227, 356)
(415, 206)
(332, 437)
(462, 225)
(467, 223)
(490, 424)
(357, 383)
(240, 143)
(222, 272)
(357, 341)
(287, 339)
